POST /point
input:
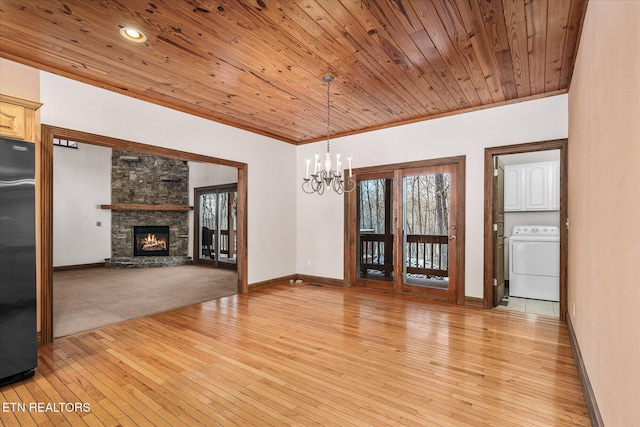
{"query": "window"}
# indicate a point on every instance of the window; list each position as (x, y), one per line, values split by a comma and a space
(65, 143)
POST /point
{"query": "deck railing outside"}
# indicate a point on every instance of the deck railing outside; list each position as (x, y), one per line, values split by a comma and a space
(375, 255)
(208, 247)
(427, 254)
(224, 243)
(424, 254)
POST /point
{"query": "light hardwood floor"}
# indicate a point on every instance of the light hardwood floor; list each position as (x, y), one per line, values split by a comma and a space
(310, 355)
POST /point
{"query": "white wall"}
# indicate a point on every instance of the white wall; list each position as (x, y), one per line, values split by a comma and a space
(207, 174)
(320, 218)
(19, 80)
(271, 234)
(81, 183)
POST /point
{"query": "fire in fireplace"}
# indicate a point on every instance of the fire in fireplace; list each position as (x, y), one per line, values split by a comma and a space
(150, 241)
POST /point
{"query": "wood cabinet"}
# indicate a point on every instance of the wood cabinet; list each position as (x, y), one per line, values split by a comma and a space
(532, 187)
(18, 118)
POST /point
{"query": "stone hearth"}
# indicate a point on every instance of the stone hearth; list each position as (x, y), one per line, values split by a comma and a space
(144, 262)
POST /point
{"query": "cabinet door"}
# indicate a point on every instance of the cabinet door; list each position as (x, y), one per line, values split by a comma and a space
(17, 118)
(537, 186)
(555, 186)
(513, 185)
(12, 121)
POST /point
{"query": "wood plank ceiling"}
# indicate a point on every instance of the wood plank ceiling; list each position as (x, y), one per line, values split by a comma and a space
(258, 64)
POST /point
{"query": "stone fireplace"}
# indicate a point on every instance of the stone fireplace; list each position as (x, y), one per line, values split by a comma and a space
(150, 216)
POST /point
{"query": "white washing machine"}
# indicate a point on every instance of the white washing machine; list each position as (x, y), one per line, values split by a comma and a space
(534, 262)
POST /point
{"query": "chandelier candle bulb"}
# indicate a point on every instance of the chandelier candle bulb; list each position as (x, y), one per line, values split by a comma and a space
(315, 167)
(338, 164)
(349, 159)
(307, 175)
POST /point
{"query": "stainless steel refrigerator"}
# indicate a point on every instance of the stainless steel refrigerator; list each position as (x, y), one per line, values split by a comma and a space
(18, 329)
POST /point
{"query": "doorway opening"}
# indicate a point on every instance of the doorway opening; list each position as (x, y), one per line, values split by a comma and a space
(45, 193)
(525, 232)
(405, 229)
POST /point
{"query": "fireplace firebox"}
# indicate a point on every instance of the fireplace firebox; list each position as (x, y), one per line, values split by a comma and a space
(150, 241)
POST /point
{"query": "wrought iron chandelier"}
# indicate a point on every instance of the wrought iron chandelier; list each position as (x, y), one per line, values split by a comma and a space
(324, 178)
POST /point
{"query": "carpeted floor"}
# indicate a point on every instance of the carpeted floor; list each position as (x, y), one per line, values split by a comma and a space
(91, 298)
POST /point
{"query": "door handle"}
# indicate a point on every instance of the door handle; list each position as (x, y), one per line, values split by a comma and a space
(452, 237)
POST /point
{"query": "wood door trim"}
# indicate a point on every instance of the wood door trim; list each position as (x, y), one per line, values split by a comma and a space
(461, 200)
(350, 220)
(408, 165)
(366, 176)
(45, 192)
(439, 168)
(489, 153)
(228, 187)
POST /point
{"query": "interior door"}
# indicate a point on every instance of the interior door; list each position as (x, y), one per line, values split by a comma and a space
(498, 230)
(429, 232)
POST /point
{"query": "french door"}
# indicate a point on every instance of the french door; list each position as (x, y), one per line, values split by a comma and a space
(406, 229)
(215, 225)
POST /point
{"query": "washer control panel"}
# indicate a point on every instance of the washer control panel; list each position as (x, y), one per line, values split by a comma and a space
(533, 230)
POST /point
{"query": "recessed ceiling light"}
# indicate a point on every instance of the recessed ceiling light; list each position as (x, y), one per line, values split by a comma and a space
(133, 35)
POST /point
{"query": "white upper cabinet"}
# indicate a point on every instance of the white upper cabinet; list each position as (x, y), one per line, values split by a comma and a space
(513, 186)
(532, 187)
(537, 194)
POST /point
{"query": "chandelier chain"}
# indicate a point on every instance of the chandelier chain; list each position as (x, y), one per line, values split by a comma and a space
(328, 112)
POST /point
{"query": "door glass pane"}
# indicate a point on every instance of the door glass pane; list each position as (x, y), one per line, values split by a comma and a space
(426, 230)
(228, 226)
(375, 241)
(224, 211)
(208, 210)
(233, 205)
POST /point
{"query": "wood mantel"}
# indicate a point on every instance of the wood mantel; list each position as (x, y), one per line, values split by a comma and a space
(147, 207)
